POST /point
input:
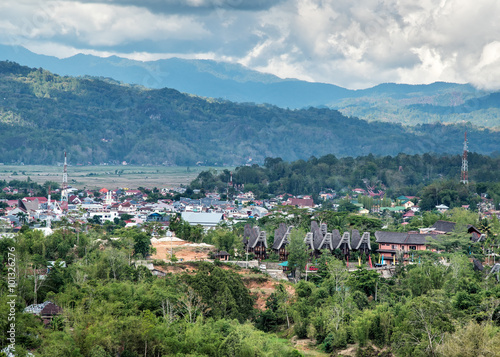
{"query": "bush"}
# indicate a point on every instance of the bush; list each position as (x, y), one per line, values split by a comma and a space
(335, 340)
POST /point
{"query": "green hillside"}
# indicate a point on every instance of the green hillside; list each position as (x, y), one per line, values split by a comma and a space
(99, 121)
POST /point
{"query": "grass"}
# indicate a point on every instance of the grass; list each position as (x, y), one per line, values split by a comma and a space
(110, 177)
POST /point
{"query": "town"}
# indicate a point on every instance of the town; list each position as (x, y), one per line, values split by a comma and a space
(145, 208)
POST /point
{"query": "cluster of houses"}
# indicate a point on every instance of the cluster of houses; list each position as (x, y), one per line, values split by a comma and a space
(110, 205)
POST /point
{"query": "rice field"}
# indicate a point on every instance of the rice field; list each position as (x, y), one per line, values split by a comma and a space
(110, 177)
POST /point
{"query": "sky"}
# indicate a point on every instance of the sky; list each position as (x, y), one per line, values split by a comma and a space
(353, 44)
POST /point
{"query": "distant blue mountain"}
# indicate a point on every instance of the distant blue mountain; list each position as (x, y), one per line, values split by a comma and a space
(204, 78)
(403, 103)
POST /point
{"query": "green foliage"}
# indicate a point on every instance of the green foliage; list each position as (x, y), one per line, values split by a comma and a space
(310, 177)
(422, 323)
(471, 340)
(347, 206)
(223, 291)
(450, 193)
(297, 251)
(184, 230)
(223, 239)
(364, 280)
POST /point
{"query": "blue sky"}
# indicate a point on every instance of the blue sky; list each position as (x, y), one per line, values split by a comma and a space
(354, 44)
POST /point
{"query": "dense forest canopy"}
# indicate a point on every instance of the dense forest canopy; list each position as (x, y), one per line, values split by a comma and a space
(96, 121)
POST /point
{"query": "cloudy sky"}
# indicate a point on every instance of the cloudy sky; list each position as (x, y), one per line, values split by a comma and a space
(354, 44)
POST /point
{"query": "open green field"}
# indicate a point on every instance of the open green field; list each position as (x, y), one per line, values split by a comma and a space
(110, 177)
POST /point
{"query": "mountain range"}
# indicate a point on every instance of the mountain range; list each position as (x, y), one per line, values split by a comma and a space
(397, 103)
(101, 121)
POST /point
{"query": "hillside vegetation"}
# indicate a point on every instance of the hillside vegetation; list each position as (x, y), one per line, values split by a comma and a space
(398, 103)
(96, 121)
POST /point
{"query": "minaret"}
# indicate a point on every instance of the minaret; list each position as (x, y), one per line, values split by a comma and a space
(464, 176)
(109, 198)
(64, 191)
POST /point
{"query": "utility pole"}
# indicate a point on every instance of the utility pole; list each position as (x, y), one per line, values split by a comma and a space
(247, 254)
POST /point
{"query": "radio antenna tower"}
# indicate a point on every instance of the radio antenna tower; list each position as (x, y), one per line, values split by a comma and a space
(64, 191)
(464, 177)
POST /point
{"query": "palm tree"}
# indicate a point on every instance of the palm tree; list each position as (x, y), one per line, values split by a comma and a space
(22, 217)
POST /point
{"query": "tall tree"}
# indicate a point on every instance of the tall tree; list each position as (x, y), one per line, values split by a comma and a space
(298, 253)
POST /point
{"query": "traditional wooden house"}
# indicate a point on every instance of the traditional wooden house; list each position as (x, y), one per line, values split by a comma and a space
(343, 243)
(50, 310)
(323, 239)
(319, 239)
(255, 241)
(309, 240)
(281, 240)
(360, 243)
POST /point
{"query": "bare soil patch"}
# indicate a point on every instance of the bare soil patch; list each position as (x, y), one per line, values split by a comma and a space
(183, 250)
(263, 289)
(261, 286)
(306, 346)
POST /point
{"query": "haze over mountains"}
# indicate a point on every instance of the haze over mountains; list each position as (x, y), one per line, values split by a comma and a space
(398, 103)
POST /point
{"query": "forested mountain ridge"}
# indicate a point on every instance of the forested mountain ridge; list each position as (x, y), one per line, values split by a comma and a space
(97, 121)
(398, 103)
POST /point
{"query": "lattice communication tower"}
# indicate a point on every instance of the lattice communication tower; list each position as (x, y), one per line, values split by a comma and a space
(464, 176)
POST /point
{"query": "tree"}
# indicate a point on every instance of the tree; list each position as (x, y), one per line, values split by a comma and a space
(298, 253)
(364, 280)
(38, 263)
(142, 244)
(338, 274)
(190, 305)
(470, 341)
(222, 291)
(22, 216)
(347, 206)
(115, 259)
(426, 319)
(222, 238)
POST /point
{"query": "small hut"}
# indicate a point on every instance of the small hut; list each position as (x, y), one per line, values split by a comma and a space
(222, 255)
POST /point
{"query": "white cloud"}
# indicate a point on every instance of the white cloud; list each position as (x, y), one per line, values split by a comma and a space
(352, 44)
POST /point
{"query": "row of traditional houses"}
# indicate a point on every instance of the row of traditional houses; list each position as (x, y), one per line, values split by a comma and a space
(390, 244)
(316, 241)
